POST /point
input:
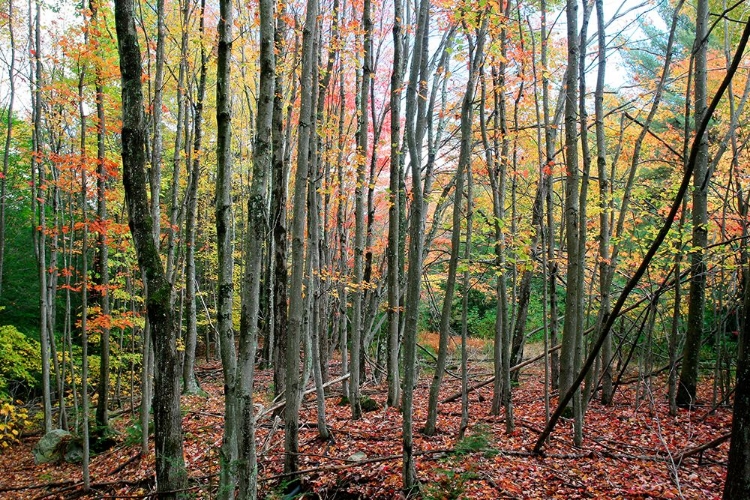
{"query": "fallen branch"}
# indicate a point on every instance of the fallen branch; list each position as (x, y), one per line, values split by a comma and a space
(35, 486)
(474, 387)
(122, 466)
(354, 463)
(107, 484)
(282, 403)
(700, 449)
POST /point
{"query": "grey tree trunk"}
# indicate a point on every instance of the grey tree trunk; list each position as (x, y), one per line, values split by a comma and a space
(278, 216)
(394, 196)
(84, 293)
(38, 177)
(314, 289)
(176, 207)
(156, 124)
(296, 299)
(414, 134)
(257, 231)
(572, 179)
(496, 167)
(359, 213)
(686, 389)
(549, 148)
(737, 484)
(605, 203)
(190, 384)
(343, 239)
(464, 161)
(170, 466)
(230, 447)
(579, 405)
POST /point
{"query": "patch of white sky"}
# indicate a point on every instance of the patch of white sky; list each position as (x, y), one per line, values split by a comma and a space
(56, 17)
(623, 21)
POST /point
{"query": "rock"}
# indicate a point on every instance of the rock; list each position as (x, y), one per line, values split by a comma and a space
(48, 448)
(57, 445)
(358, 457)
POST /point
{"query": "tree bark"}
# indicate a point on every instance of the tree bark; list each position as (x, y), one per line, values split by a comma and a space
(38, 177)
(394, 197)
(102, 417)
(359, 213)
(414, 134)
(686, 389)
(190, 384)
(737, 484)
(170, 466)
(573, 293)
(299, 216)
(229, 453)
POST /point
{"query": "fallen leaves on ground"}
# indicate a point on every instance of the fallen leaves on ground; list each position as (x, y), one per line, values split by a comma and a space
(631, 449)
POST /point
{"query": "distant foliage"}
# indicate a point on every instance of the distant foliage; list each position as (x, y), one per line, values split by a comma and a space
(20, 366)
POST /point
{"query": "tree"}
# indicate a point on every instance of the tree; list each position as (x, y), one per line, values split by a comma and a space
(359, 213)
(256, 232)
(738, 469)
(574, 294)
(686, 389)
(102, 417)
(170, 464)
(188, 367)
(296, 299)
(225, 248)
(414, 134)
(394, 268)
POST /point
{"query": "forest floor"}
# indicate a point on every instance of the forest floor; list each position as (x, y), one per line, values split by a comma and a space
(632, 449)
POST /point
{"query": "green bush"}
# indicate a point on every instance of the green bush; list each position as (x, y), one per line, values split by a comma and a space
(20, 366)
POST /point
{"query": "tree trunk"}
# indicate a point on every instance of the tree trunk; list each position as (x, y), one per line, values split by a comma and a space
(296, 299)
(394, 195)
(738, 469)
(84, 292)
(686, 390)
(359, 214)
(464, 161)
(278, 216)
(188, 367)
(170, 466)
(414, 133)
(102, 417)
(156, 124)
(573, 292)
(229, 453)
(605, 203)
(38, 206)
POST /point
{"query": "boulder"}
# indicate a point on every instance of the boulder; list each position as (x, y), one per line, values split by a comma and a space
(56, 446)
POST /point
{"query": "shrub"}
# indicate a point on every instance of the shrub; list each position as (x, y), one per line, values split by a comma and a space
(13, 420)
(20, 365)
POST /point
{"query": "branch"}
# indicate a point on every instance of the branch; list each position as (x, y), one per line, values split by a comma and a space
(513, 369)
(282, 403)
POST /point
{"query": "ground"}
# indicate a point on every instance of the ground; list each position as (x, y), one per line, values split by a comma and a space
(632, 449)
